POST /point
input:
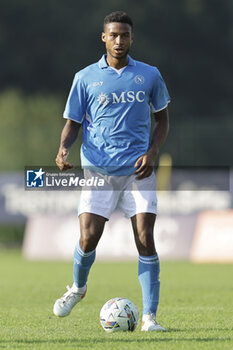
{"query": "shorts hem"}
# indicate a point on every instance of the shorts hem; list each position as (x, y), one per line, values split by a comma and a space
(94, 211)
(150, 211)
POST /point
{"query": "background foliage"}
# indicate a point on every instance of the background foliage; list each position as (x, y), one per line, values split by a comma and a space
(42, 45)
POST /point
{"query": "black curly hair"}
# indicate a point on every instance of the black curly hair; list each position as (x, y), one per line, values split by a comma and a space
(118, 16)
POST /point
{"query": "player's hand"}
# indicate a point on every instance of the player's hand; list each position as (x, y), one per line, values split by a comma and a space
(61, 160)
(144, 165)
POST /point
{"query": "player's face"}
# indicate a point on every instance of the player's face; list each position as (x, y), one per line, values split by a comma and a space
(118, 38)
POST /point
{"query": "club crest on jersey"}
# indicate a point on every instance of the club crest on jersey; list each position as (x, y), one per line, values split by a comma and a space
(139, 79)
(123, 97)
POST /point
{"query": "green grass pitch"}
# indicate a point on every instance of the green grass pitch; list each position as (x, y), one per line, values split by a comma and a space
(196, 306)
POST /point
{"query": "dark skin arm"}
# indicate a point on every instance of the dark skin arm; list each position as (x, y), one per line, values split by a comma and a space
(68, 136)
(146, 162)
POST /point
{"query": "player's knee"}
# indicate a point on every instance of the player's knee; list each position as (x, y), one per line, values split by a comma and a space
(88, 241)
(145, 243)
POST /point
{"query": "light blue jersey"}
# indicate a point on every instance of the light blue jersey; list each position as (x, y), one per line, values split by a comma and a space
(114, 110)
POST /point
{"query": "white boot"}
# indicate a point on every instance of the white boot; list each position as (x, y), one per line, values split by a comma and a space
(149, 323)
(65, 304)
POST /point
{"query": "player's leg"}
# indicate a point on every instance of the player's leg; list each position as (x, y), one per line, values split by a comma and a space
(95, 208)
(148, 268)
(140, 204)
(148, 265)
(91, 229)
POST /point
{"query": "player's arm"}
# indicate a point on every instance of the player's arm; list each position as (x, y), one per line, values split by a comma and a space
(145, 163)
(68, 136)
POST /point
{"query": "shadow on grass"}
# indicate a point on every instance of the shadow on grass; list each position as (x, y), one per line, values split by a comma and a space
(84, 341)
(178, 330)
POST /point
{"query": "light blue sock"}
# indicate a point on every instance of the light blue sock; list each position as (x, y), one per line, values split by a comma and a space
(82, 264)
(148, 274)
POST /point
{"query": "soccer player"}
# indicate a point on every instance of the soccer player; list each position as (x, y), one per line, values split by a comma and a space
(112, 100)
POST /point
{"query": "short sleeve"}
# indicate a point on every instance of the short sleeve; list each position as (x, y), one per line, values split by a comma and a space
(75, 108)
(160, 96)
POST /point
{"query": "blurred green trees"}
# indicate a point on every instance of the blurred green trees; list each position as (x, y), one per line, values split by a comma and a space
(30, 128)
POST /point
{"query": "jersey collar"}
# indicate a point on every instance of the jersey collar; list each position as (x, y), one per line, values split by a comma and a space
(103, 62)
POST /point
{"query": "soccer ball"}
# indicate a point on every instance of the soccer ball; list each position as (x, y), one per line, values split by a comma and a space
(119, 314)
